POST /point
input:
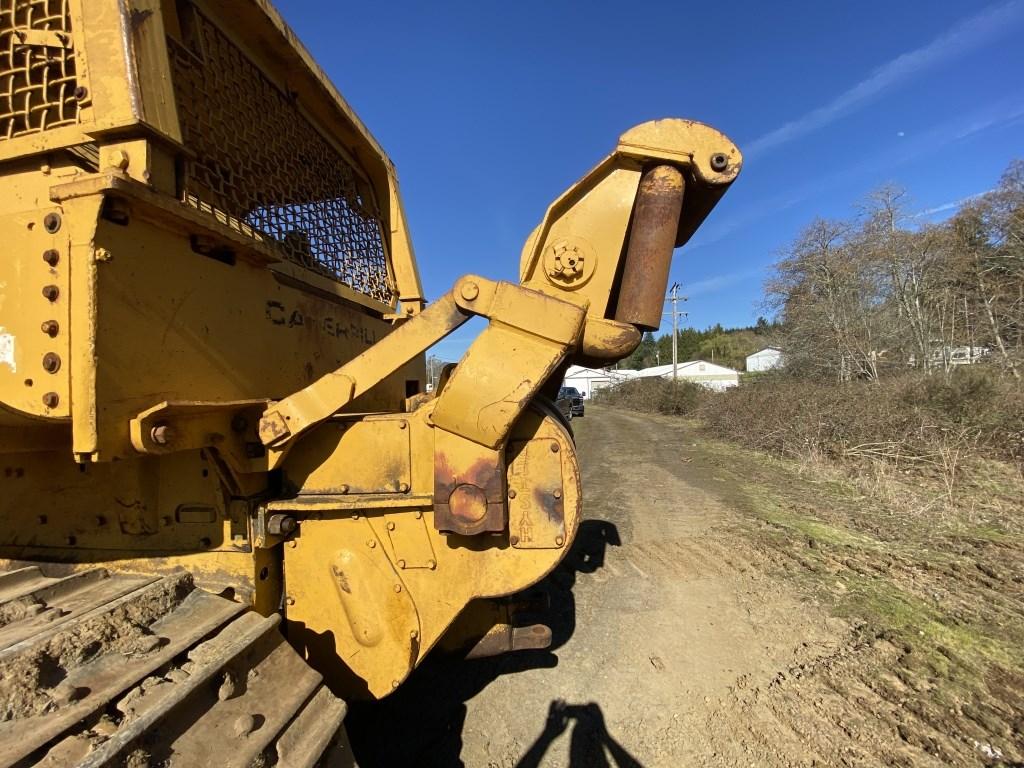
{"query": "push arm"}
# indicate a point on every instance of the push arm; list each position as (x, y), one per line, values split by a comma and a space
(594, 275)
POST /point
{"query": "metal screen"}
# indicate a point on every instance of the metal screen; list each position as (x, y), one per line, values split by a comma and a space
(37, 67)
(259, 162)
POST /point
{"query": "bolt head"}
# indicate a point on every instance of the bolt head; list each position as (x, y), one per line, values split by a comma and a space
(50, 327)
(431, 564)
(513, 540)
(51, 292)
(554, 448)
(51, 222)
(51, 399)
(391, 526)
(398, 588)
(557, 494)
(511, 493)
(51, 256)
(401, 564)
(81, 92)
(371, 543)
(403, 487)
(470, 291)
(161, 434)
(289, 600)
(403, 424)
(51, 362)
(559, 540)
(281, 525)
(719, 162)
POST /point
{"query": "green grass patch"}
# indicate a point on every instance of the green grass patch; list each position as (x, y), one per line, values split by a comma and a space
(828, 510)
(808, 528)
(925, 626)
(989, 532)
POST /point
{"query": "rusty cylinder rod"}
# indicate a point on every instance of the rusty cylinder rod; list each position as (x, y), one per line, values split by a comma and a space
(659, 201)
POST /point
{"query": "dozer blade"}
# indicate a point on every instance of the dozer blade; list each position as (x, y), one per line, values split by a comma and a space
(110, 669)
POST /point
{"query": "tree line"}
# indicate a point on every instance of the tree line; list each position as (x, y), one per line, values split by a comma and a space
(725, 346)
(882, 292)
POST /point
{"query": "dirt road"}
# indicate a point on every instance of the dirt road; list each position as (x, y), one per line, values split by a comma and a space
(689, 631)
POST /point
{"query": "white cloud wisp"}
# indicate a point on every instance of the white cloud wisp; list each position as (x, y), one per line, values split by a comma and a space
(966, 36)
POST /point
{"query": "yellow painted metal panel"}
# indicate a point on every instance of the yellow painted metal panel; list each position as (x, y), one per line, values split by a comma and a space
(371, 649)
(231, 251)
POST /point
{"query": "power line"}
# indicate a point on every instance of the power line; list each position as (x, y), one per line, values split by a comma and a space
(675, 297)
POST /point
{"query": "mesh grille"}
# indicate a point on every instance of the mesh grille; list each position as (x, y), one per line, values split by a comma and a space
(37, 67)
(262, 165)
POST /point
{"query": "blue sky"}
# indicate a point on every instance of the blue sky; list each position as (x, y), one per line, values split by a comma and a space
(490, 110)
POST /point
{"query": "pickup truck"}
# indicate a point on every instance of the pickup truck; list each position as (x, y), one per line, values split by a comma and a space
(575, 400)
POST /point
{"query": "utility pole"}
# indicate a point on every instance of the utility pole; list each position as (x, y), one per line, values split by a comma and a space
(675, 297)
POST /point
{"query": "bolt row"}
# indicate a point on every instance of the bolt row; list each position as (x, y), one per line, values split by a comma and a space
(51, 256)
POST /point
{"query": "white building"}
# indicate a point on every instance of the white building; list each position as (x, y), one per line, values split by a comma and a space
(587, 380)
(764, 359)
(710, 375)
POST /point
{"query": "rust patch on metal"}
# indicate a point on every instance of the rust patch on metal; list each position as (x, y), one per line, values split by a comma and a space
(537, 511)
(468, 504)
(496, 641)
(503, 638)
(273, 428)
(459, 494)
(659, 202)
(548, 502)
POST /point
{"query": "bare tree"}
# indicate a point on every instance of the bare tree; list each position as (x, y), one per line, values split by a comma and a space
(987, 236)
(826, 297)
(852, 295)
(909, 260)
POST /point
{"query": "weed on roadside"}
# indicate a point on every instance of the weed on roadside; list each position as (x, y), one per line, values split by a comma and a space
(940, 585)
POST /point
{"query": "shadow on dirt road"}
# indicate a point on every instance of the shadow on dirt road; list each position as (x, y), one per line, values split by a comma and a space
(590, 745)
(422, 722)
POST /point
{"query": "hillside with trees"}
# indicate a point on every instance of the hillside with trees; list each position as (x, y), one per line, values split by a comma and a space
(726, 346)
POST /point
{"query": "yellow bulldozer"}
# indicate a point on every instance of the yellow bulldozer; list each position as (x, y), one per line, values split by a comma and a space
(228, 501)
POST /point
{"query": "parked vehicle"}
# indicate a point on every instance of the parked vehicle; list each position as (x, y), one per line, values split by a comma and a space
(575, 399)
